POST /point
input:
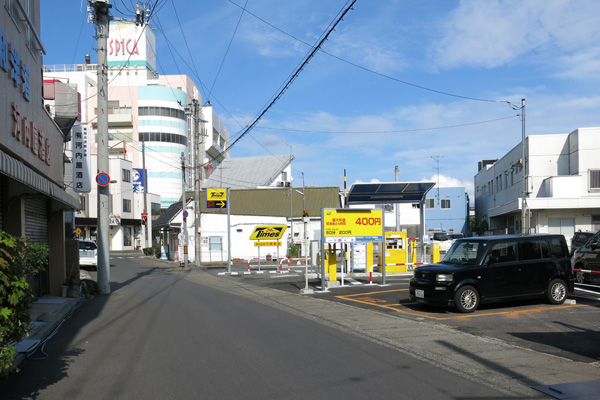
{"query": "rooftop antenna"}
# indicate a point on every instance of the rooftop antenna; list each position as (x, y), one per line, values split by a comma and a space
(437, 168)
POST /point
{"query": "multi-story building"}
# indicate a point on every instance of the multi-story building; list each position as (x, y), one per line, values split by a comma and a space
(562, 185)
(32, 196)
(152, 120)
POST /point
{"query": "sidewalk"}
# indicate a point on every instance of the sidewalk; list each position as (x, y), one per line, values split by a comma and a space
(47, 314)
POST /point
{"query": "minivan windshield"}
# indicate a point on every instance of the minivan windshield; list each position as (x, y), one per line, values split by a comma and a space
(465, 252)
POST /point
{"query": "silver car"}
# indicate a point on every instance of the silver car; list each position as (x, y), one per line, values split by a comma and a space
(88, 254)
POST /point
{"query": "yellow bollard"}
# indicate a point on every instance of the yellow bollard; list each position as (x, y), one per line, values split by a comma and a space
(413, 251)
(435, 254)
(332, 263)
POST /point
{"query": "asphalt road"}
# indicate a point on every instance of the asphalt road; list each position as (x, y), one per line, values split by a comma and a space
(165, 334)
(570, 330)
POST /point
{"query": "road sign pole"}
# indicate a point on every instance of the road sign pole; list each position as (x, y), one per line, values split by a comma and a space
(229, 232)
(323, 289)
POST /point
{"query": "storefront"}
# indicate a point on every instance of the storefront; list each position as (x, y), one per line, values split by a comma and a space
(32, 195)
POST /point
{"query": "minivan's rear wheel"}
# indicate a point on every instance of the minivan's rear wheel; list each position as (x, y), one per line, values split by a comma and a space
(466, 299)
(557, 291)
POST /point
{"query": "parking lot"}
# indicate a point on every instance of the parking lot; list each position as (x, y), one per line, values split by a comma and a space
(570, 330)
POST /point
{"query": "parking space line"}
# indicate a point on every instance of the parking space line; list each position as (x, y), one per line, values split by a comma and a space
(369, 299)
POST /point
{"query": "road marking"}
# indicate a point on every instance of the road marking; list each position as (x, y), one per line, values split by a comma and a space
(367, 299)
(353, 281)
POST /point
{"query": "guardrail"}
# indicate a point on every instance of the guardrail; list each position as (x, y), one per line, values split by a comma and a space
(264, 259)
(289, 262)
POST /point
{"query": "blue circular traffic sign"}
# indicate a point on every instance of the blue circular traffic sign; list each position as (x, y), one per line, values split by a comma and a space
(103, 179)
(185, 214)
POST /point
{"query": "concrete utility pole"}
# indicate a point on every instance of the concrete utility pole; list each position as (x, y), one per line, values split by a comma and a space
(524, 222)
(184, 213)
(198, 157)
(101, 18)
(144, 178)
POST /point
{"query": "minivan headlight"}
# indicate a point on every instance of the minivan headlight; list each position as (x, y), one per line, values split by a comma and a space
(443, 278)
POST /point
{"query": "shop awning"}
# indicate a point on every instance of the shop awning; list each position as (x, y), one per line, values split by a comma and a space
(15, 169)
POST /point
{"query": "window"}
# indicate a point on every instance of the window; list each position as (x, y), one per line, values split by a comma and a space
(126, 236)
(563, 226)
(559, 248)
(429, 203)
(155, 209)
(126, 176)
(126, 205)
(534, 250)
(594, 179)
(595, 222)
(445, 204)
(504, 252)
(81, 203)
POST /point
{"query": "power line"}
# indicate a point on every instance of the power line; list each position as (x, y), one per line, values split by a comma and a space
(294, 75)
(368, 69)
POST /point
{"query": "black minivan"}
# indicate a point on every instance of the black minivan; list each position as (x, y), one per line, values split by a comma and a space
(496, 268)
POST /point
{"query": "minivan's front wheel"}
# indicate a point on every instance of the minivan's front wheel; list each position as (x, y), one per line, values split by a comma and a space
(466, 299)
(557, 291)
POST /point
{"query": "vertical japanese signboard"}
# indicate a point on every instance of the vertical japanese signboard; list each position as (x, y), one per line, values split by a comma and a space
(82, 182)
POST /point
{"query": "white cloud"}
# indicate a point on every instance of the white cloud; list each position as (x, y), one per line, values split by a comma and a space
(448, 181)
(470, 38)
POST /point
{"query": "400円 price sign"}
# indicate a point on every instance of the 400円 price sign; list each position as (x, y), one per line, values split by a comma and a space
(352, 225)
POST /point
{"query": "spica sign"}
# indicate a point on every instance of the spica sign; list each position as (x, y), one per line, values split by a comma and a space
(351, 225)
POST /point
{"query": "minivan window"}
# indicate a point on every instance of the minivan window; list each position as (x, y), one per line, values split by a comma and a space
(558, 248)
(465, 252)
(534, 250)
(503, 252)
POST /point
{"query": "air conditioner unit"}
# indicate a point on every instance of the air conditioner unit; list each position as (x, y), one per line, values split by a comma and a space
(288, 184)
(280, 184)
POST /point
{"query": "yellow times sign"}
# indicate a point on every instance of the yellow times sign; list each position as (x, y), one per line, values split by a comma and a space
(216, 194)
(349, 225)
(261, 244)
(268, 232)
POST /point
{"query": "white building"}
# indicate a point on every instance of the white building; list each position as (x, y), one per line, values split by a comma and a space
(152, 121)
(249, 208)
(562, 175)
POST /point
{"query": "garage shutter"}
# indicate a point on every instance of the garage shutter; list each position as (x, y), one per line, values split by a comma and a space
(36, 219)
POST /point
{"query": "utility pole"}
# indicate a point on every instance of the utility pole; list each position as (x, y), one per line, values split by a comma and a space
(198, 157)
(144, 178)
(184, 213)
(524, 221)
(101, 17)
(397, 205)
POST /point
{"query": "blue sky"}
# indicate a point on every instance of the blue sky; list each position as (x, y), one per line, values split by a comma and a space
(399, 82)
